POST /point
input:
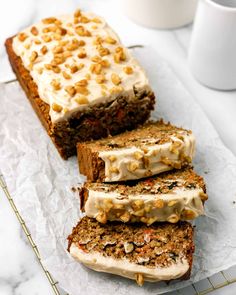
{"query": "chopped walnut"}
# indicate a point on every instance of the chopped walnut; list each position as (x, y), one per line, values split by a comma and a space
(115, 79)
(116, 89)
(100, 79)
(70, 90)
(138, 155)
(174, 218)
(81, 31)
(56, 107)
(58, 49)
(82, 100)
(44, 49)
(132, 166)
(110, 40)
(46, 38)
(128, 70)
(96, 20)
(101, 217)
(159, 203)
(22, 36)
(66, 75)
(172, 203)
(96, 68)
(34, 31)
(56, 84)
(82, 90)
(77, 13)
(119, 56)
(33, 56)
(82, 83)
(103, 51)
(82, 54)
(139, 279)
(49, 20)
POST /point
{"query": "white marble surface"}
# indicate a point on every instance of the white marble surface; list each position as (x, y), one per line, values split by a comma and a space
(20, 273)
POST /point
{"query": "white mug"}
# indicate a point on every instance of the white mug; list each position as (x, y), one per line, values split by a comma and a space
(212, 52)
(160, 14)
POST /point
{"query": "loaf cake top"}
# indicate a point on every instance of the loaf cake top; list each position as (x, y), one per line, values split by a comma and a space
(77, 61)
(157, 252)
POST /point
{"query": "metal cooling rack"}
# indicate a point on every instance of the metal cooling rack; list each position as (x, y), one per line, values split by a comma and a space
(217, 281)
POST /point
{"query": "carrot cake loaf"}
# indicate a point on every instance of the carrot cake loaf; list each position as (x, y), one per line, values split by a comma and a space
(81, 81)
(160, 252)
(172, 196)
(151, 149)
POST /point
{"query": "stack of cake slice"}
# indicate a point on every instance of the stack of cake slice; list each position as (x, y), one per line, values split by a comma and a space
(140, 195)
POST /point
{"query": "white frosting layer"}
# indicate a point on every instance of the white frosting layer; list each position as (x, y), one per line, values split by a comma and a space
(172, 208)
(152, 159)
(127, 269)
(97, 93)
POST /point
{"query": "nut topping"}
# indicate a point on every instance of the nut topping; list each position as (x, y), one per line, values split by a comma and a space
(81, 100)
(70, 90)
(56, 84)
(128, 70)
(44, 49)
(132, 166)
(66, 75)
(22, 36)
(33, 56)
(110, 40)
(115, 79)
(56, 107)
(100, 79)
(34, 31)
(139, 279)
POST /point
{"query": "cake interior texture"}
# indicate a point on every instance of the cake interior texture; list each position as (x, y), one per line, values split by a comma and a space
(137, 248)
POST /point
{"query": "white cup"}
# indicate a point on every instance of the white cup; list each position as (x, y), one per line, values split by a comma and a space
(160, 14)
(212, 52)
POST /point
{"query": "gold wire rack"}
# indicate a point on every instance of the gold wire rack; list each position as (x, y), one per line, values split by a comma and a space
(210, 284)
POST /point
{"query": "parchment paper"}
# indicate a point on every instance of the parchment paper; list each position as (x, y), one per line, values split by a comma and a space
(40, 183)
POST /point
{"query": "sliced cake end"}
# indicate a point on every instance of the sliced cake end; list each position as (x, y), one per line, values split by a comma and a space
(160, 252)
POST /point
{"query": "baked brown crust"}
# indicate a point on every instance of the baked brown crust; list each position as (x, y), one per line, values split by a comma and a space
(97, 122)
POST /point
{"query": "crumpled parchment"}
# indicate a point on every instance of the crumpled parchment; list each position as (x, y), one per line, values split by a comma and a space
(40, 183)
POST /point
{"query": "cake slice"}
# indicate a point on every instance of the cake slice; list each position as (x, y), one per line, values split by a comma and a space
(160, 252)
(81, 81)
(172, 196)
(151, 149)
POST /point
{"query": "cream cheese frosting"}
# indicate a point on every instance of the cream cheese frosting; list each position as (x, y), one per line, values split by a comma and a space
(78, 61)
(125, 268)
(181, 204)
(135, 163)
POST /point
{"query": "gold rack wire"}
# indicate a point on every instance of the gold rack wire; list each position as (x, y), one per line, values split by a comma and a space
(54, 284)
